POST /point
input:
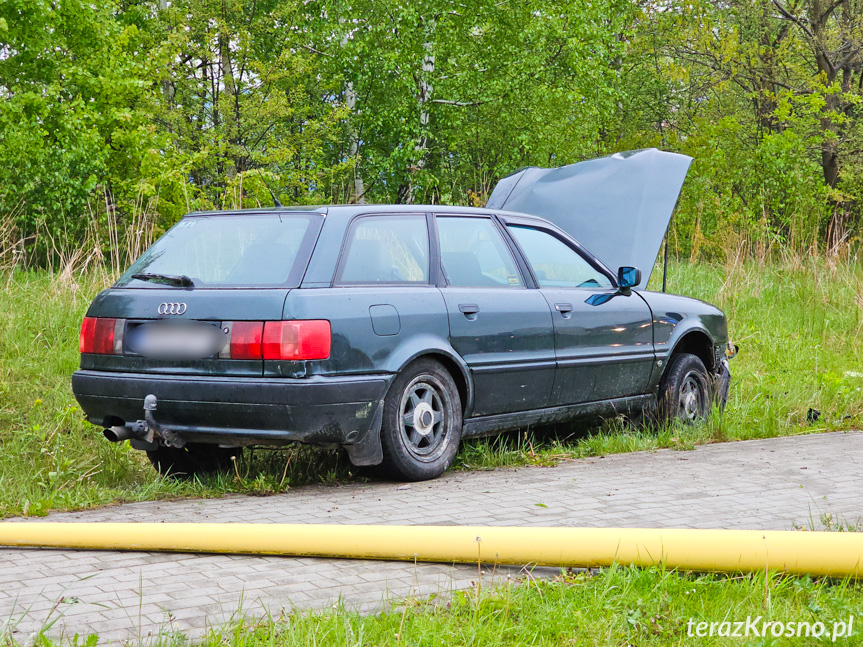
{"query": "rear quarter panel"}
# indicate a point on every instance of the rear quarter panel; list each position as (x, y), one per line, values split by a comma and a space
(413, 321)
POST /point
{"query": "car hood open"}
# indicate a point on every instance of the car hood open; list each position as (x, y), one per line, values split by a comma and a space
(617, 206)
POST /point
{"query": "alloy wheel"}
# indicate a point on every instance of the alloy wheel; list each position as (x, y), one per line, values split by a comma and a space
(424, 424)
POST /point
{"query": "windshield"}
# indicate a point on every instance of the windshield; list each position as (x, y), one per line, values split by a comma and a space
(250, 250)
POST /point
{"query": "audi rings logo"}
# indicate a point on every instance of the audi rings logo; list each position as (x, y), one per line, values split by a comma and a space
(171, 308)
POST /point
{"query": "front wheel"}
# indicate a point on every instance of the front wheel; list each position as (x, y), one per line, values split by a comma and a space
(422, 423)
(686, 391)
(192, 459)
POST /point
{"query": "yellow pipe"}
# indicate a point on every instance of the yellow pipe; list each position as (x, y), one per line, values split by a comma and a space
(816, 553)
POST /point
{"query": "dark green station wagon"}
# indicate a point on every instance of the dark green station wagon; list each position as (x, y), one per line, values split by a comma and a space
(395, 331)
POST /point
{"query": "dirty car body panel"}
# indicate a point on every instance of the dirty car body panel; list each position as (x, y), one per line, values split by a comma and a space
(529, 325)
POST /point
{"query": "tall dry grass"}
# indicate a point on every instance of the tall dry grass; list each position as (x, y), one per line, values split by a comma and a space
(111, 242)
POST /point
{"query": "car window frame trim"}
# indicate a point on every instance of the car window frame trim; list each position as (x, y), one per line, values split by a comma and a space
(573, 244)
(526, 279)
(349, 229)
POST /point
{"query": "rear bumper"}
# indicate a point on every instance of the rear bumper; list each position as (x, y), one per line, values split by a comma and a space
(233, 410)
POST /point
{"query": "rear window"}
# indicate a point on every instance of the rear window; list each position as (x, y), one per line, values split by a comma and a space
(254, 250)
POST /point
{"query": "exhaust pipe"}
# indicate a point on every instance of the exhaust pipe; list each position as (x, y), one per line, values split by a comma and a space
(138, 430)
(118, 434)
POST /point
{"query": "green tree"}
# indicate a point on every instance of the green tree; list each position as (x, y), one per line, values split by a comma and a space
(75, 104)
(115, 107)
(245, 104)
(448, 95)
(764, 95)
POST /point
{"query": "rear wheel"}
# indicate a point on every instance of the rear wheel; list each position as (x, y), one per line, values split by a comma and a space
(192, 459)
(686, 391)
(422, 423)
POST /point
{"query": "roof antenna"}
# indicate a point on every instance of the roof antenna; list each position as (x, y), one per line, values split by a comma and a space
(276, 202)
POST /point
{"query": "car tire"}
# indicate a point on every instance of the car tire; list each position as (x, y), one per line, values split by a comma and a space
(193, 459)
(422, 423)
(685, 391)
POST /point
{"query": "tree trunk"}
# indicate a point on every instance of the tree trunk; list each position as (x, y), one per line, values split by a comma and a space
(423, 98)
(359, 188)
(167, 87)
(818, 19)
(230, 88)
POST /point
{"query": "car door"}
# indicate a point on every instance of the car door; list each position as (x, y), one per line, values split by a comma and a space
(382, 294)
(502, 329)
(603, 339)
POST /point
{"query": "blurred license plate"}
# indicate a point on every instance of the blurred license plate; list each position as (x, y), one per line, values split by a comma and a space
(176, 341)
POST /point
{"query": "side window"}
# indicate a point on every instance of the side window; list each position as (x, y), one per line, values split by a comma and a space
(556, 264)
(386, 249)
(474, 254)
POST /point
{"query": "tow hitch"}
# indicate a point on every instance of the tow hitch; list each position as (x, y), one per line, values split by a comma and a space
(168, 437)
(145, 434)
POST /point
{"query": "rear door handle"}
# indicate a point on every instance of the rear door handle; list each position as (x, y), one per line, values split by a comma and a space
(469, 310)
(565, 309)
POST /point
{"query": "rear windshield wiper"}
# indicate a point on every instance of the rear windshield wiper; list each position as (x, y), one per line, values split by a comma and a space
(180, 280)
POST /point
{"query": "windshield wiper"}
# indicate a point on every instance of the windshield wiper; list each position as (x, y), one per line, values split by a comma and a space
(180, 280)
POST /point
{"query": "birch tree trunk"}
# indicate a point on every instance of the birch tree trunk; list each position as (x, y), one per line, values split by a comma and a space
(359, 188)
(167, 87)
(423, 99)
(230, 89)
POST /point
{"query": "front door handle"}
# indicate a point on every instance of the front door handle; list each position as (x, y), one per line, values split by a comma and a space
(469, 310)
(565, 309)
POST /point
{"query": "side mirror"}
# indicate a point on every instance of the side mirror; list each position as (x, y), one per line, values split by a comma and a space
(628, 278)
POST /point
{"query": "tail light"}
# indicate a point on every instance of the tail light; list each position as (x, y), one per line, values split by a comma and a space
(272, 340)
(297, 340)
(97, 335)
(246, 339)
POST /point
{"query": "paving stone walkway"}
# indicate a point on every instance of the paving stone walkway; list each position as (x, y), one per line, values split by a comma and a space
(770, 484)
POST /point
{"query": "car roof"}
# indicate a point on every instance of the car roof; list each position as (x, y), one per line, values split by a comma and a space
(349, 210)
(344, 212)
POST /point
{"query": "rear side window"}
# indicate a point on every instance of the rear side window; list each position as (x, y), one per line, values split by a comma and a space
(474, 254)
(555, 264)
(249, 250)
(386, 250)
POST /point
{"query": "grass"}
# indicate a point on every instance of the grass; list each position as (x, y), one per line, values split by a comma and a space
(798, 322)
(613, 606)
(619, 606)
